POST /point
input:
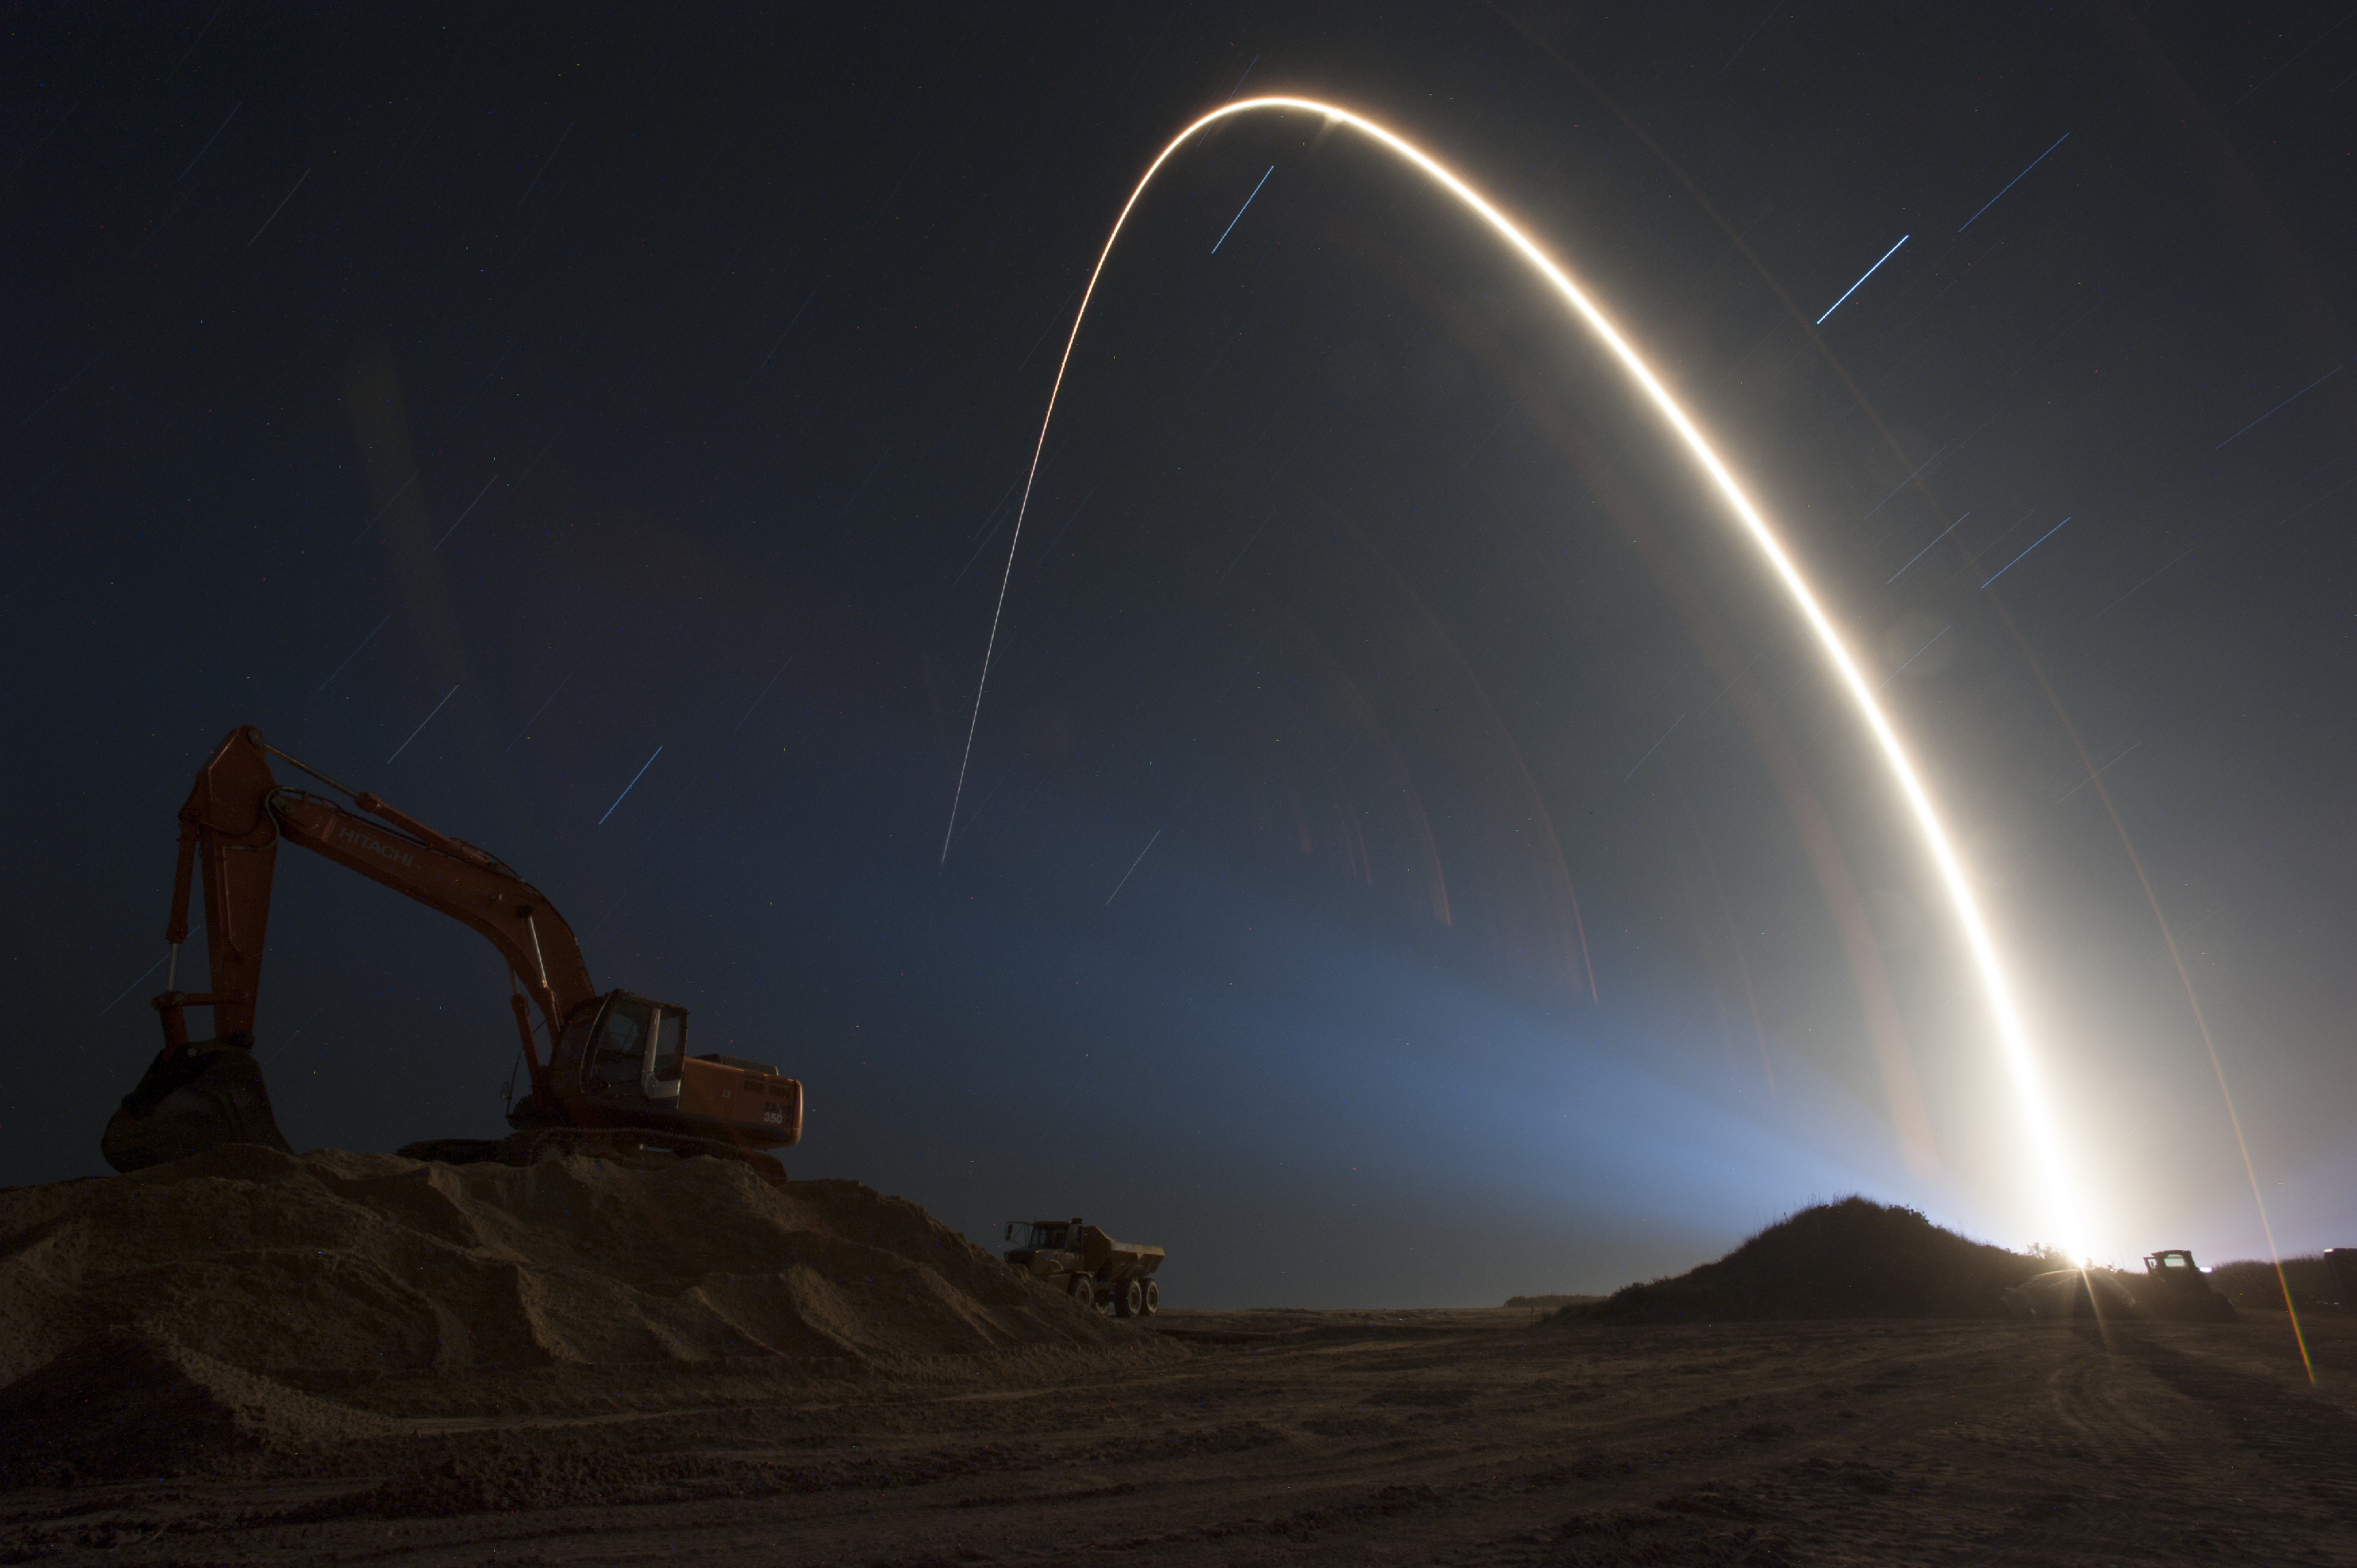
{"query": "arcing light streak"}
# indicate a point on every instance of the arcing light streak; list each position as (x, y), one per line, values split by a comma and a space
(1853, 288)
(2056, 1179)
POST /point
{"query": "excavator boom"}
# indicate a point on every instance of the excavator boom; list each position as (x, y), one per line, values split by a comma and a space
(613, 1060)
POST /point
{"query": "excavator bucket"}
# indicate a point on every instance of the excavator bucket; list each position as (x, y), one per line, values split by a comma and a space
(207, 1094)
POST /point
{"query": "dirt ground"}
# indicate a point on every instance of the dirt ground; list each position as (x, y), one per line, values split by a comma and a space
(1476, 1437)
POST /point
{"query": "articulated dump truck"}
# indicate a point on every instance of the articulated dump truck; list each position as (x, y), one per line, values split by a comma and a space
(1101, 1273)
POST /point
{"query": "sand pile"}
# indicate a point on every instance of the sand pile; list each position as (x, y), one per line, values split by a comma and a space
(1855, 1258)
(120, 1407)
(187, 1304)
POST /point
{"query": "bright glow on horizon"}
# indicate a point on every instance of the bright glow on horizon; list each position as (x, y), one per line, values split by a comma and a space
(2064, 1209)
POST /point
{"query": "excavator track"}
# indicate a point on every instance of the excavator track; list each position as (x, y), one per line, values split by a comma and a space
(620, 1145)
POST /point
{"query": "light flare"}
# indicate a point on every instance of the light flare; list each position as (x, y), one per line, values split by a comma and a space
(2058, 1186)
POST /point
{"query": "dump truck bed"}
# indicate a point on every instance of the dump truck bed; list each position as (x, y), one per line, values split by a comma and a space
(1118, 1262)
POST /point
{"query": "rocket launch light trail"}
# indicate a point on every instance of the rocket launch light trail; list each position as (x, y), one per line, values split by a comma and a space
(2057, 1180)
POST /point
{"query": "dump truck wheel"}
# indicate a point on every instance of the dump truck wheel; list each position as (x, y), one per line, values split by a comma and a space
(1149, 1298)
(1129, 1300)
(1084, 1291)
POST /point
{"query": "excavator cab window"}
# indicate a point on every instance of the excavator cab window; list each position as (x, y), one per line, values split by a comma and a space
(662, 1079)
(617, 1056)
(637, 1049)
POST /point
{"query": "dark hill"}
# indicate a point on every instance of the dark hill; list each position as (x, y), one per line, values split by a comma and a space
(2255, 1286)
(1854, 1258)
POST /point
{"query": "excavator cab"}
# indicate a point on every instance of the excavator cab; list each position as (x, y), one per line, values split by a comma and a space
(632, 1050)
(623, 1064)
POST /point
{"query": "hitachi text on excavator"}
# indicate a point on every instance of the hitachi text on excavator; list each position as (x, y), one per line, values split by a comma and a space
(615, 1078)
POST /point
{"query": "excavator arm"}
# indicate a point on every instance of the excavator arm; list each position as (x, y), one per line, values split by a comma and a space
(198, 1093)
(617, 1076)
(235, 818)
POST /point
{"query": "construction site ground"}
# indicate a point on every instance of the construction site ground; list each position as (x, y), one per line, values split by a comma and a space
(1454, 1436)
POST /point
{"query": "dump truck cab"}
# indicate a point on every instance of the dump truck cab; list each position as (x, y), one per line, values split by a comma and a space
(2174, 1285)
(1048, 1241)
(1084, 1263)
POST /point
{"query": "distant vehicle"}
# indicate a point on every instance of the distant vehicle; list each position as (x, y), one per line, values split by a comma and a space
(1081, 1261)
(2343, 1262)
(2173, 1285)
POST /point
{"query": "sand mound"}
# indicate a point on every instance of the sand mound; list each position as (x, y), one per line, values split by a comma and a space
(122, 1408)
(1855, 1258)
(247, 1260)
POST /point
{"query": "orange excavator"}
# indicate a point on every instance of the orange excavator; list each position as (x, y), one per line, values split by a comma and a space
(614, 1081)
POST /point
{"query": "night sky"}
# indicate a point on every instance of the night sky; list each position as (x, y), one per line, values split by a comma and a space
(1412, 853)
